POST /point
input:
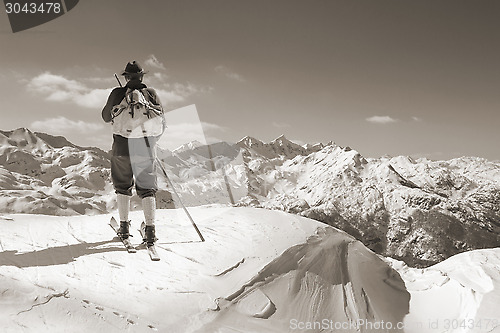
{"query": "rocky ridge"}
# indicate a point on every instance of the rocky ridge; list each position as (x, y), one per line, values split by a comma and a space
(419, 211)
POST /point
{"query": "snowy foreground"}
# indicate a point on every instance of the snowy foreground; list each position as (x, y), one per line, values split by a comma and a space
(258, 271)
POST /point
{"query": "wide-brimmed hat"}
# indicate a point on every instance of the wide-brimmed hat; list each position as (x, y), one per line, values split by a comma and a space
(133, 67)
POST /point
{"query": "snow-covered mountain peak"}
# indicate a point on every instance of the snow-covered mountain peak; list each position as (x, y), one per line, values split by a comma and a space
(20, 134)
(334, 154)
(188, 146)
(249, 142)
(280, 148)
(22, 138)
(281, 140)
(313, 146)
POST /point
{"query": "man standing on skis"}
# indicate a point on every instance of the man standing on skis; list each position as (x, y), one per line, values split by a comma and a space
(138, 122)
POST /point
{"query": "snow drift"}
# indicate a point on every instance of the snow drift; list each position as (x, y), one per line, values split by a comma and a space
(258, 271)
(460, 294)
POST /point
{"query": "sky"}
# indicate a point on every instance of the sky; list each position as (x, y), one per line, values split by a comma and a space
(385, 77)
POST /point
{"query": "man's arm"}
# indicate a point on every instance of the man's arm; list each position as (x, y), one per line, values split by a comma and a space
(114, 98)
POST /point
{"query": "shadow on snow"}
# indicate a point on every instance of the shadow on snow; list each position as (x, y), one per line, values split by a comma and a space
(58, 255)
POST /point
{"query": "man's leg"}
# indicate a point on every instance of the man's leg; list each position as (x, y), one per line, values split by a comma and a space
(149, 209)
(146, 187)
(123, 206)
(123, 210)
(123, 181)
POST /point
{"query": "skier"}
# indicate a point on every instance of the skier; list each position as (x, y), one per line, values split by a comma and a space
(134, 143)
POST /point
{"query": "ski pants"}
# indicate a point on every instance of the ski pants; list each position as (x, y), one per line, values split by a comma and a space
(133, 163)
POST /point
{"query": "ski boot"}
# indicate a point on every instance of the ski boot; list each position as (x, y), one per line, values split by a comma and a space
(149, 235)
(123, 231)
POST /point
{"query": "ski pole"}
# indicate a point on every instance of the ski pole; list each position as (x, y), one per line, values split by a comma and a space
(179, 199)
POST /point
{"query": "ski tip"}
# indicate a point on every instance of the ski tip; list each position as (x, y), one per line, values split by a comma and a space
(152, 253)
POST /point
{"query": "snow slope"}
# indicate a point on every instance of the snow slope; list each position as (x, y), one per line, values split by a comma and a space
(257, 272)
(460, 294)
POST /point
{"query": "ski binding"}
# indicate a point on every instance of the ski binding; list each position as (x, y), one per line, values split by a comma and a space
(153, 254)
(126, 241)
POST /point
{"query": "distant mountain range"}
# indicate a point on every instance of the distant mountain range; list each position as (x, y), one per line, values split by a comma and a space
(419, 211)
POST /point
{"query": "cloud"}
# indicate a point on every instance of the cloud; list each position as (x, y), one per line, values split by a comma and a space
(108, 81)
(177, 92)
(281, 124)
(61, 125)
(50, 83)
(381, 120)
(57, 88)
(153, 62)
(417, 119)
(95, 98)
(229, 73)
(160, 76)
(212, 127)
(169, 97)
